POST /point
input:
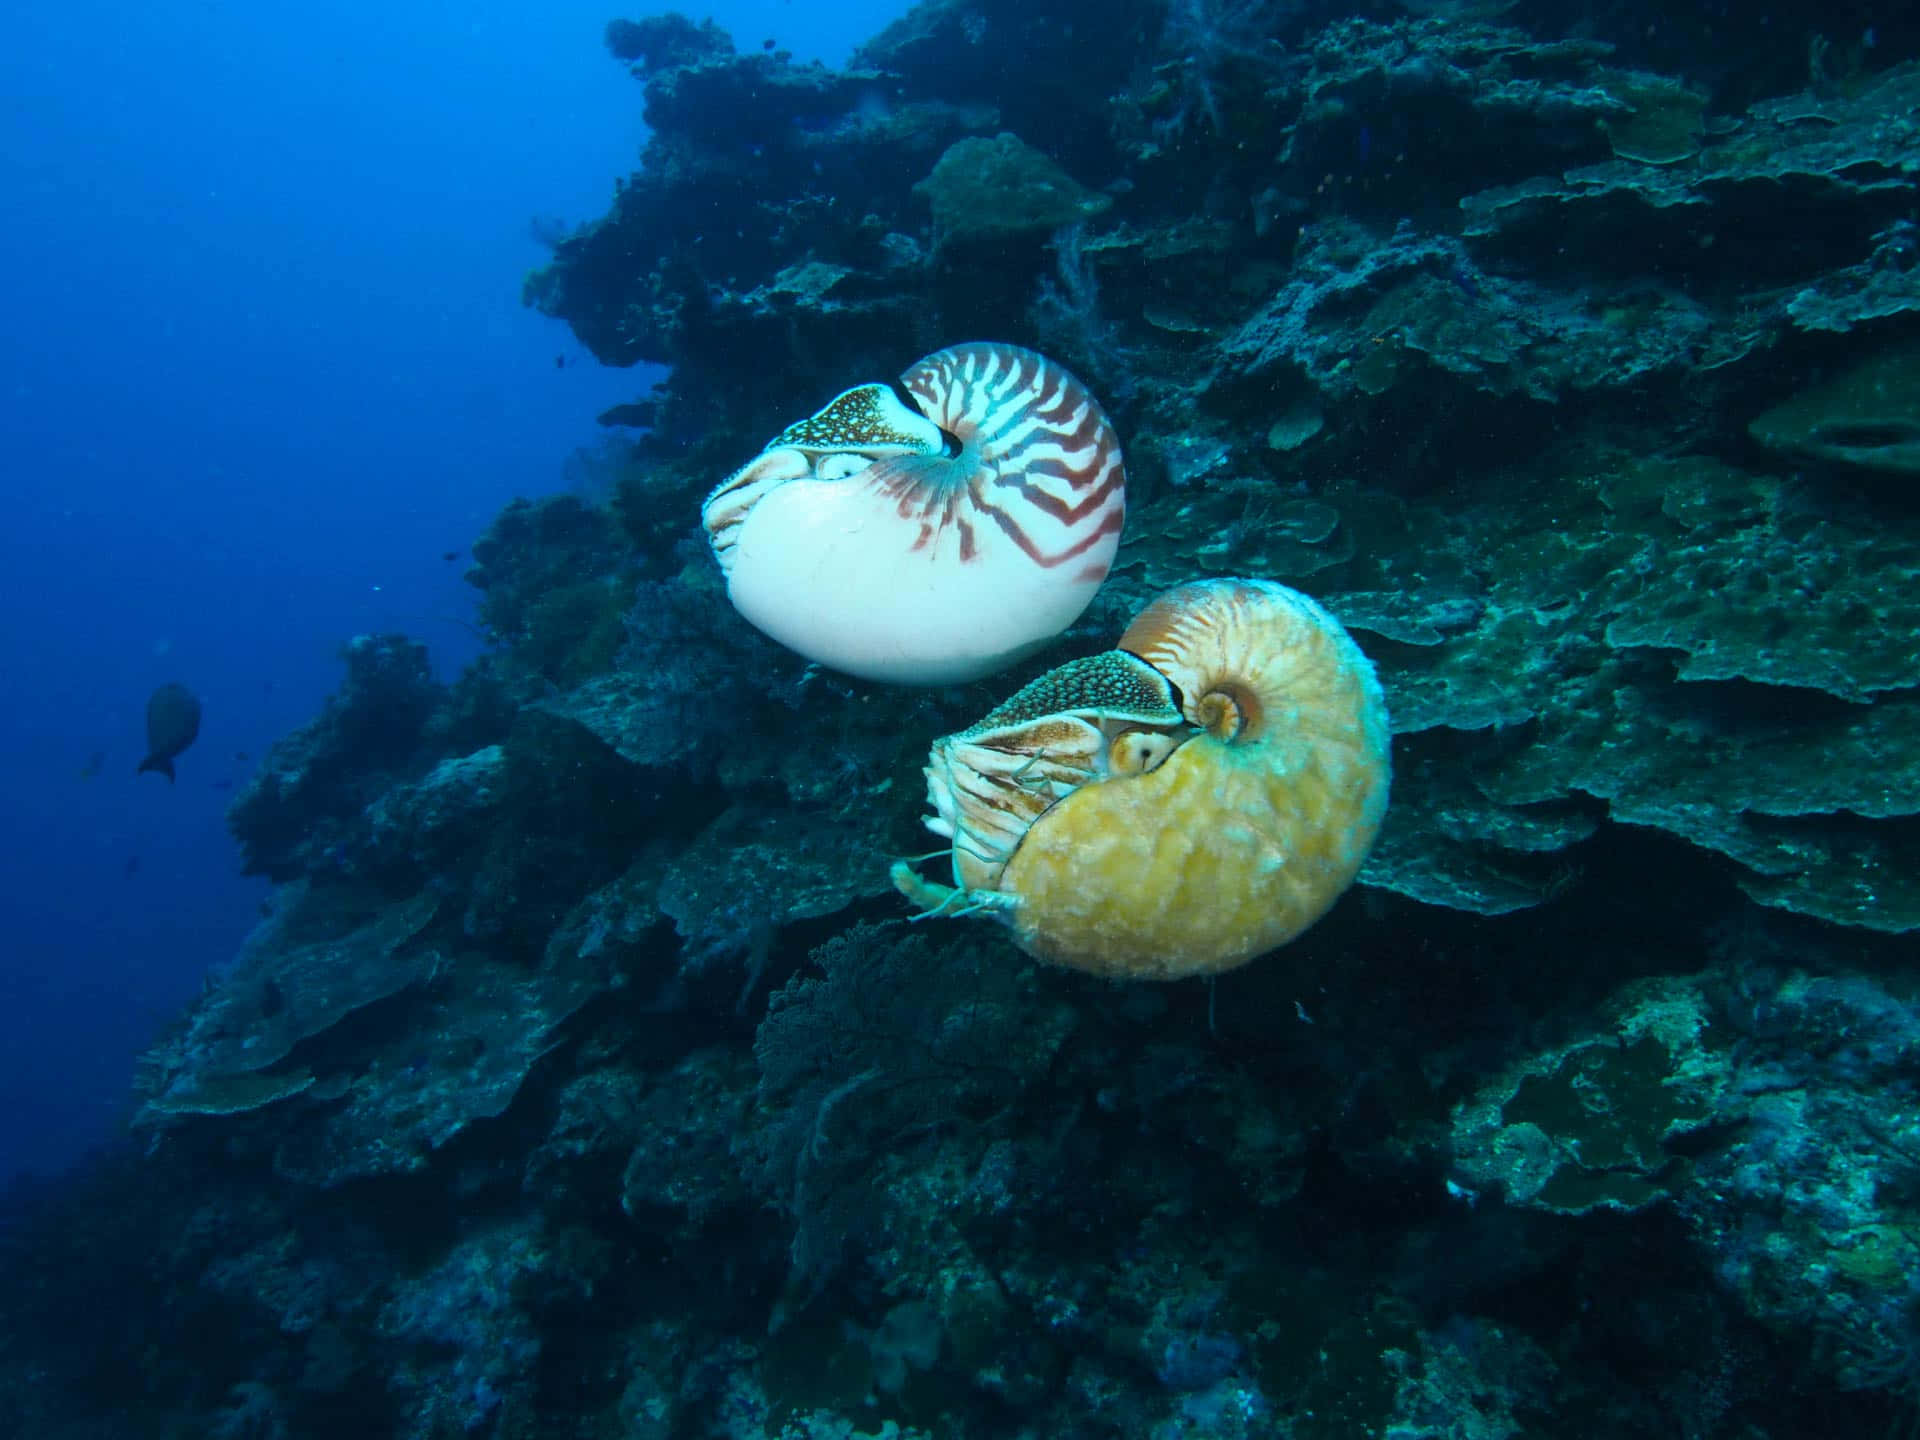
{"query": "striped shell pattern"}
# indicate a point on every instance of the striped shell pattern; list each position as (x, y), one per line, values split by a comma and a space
(930, 531)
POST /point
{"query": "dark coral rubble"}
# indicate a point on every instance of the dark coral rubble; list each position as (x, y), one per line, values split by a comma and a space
(586, 1079)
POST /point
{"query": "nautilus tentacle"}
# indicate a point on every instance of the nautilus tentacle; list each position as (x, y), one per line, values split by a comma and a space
(1178, 805)
(931, 531)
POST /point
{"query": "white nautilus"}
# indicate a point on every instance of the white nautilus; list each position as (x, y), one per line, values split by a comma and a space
(930, 531)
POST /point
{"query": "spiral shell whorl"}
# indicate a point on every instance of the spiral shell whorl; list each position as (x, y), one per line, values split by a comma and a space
(1253, 660)
(1198, 860)
(1042, 439)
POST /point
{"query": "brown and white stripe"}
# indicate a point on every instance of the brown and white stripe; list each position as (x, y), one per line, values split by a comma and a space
(1047, 470)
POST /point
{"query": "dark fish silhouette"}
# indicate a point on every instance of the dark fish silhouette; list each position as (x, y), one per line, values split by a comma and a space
(173, 722)
(132, 867)
(95, 763)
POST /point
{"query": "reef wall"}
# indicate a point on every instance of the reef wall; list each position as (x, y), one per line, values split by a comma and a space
(586, 1078)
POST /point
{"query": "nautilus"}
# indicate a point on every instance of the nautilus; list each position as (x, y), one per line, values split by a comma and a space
(928, 531)
(1175, 806)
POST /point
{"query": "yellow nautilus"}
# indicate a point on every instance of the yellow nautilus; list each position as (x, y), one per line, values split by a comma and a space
(929, 531)
(1175, 806)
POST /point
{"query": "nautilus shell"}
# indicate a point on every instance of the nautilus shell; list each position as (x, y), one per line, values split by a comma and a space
(930, 531)
(1177, 805)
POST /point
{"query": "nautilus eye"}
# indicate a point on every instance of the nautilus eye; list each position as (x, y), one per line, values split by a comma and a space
(931, 531)
(1134, 752)
(1246, 772)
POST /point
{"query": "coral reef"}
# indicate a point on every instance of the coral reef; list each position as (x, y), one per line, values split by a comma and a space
(984, 191)
(587, 1077)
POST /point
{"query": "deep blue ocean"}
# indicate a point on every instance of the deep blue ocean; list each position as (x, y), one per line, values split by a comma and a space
(265, 366)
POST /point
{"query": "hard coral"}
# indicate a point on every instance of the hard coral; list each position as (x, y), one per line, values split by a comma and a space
(660, 42)
(372, 732)
(555, 575)
(985, 190)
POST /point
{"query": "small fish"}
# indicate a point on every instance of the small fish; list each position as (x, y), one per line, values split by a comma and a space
(450, 555)
(132, 867)
(221, 785)
(173, 723)
(242, 756)
(96, 762)
(559, 362)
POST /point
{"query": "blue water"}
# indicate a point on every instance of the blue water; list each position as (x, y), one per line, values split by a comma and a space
(265, 365)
